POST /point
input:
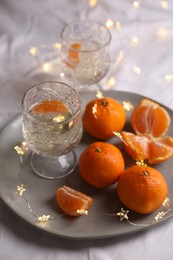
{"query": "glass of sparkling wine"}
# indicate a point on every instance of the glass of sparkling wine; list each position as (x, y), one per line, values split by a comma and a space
(85, 52)
(52, 127)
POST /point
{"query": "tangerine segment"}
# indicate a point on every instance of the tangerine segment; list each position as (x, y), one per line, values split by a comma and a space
(101, 164)
(73, 202)
(149, 118)
(142, 189)
(136, 146)
(48, 106)
(141, 147)
(160, 150)
(103, 116)
(73, 54)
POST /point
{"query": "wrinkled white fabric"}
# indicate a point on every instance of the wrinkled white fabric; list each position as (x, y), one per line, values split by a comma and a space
(37, 23)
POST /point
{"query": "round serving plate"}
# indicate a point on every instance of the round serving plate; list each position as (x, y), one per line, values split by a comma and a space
(34, 199)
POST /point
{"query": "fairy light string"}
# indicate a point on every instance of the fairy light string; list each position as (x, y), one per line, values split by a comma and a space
(123, 214)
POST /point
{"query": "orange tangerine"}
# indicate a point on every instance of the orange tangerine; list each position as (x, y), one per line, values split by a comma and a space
(142, 189)
(101, 164)
(103, 116)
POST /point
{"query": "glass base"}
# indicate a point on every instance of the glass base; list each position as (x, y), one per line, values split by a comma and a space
(53, 167)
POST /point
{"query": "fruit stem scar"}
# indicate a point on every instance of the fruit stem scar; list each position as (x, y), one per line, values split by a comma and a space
(145, 173)
(98, 150)
(104, 103)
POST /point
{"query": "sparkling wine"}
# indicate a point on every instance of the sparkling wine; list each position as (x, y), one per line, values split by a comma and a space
(52, 133)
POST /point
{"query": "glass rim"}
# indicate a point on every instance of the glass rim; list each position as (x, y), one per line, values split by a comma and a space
(77, 112)
(82, 21)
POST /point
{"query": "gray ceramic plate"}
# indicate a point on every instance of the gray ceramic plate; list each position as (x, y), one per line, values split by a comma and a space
(107, 217)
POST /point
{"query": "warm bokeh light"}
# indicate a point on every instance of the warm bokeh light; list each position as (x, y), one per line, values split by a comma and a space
(33, 51)
(164, 4)
(111, 82)
(109, 23)
(136, 4)
(137, 69)
(169, 77)
(46, 66)
(134, 41)
(118, 26)
(92, 3)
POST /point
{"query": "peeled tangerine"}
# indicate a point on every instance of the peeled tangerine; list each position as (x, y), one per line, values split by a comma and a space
(150, 122)
(73, 202)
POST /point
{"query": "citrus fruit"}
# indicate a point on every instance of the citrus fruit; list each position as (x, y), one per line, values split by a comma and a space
(73, 202)
(149, 118)
(101, 164)
(150, 122)
(103, 116)
(142, 189)
(136, 146)
(48, 106)
(73, 54)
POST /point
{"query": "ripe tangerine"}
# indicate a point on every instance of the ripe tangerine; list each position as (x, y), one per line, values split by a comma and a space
(104, 116)
(101, 164)
(142, 189)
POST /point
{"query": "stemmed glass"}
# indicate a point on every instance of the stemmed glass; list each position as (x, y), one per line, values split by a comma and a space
(52, 127)
(85, 52)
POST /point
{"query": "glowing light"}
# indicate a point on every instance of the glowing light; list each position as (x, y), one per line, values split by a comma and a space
(160, 215)
(136, 4)
(164, 4)
(120, 57)
(162, 33)
(166, 203)
(137, 70)
(141, 162)
(135, 41)
(109, 23)
(62, 75)
(43, 218)
(57, 45)
(111, 82)
(127, 105)
(118, 26)
(59, 118)
(169, 77)
(118, 134)
(123, 214)
(21, 189)
(92, 3)
(22, 148)
(46, 66)
(82, 212)
(33, 51)
(99, 94)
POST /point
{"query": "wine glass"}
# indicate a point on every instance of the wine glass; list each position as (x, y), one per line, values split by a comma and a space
(52, 127)
(85, 52)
